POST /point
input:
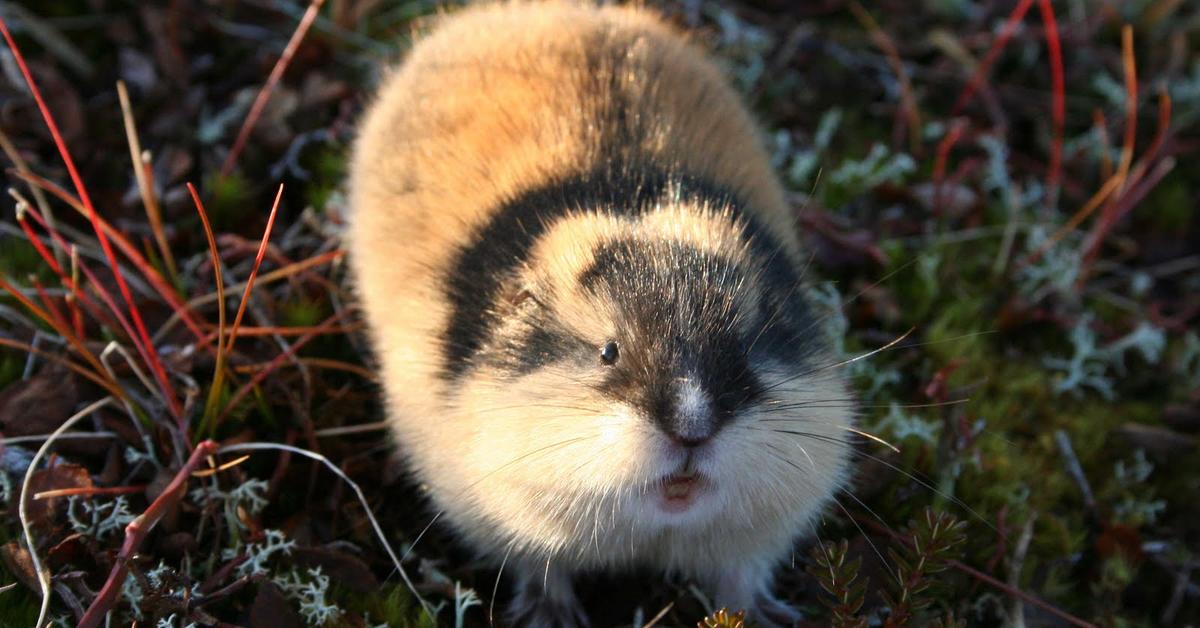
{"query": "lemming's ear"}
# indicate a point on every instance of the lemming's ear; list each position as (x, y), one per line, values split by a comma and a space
(517, 293)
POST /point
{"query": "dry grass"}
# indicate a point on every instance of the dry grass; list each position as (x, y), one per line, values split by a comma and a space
(951, 167)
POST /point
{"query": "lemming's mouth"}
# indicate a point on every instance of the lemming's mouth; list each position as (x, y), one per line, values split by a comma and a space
(679, 491)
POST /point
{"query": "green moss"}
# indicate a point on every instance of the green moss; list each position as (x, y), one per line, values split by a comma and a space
(229, 200)
(391, 605)
(12, 363)
(18, 260)
(327, 169)
(18, 607)
(302, 312)
(1170, 207)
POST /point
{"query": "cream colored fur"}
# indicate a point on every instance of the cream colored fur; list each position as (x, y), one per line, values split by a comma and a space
(544, 471)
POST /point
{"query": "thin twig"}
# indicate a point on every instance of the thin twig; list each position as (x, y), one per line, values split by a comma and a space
(37, 438)
(160, 373)
(258, 260)
(1001, 41)
(136, 532)
(264, 94)
(357, 491)
(985, 578)
(351, 429)
(1059, 105)
(43, 575)
(218, 381)
(149, 201)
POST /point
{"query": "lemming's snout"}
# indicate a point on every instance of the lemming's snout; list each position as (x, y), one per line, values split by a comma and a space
(691, 420)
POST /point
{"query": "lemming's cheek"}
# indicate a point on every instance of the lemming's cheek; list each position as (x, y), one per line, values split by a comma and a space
(620, 427)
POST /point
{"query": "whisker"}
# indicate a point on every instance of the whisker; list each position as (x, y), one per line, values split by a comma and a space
(844, 303)
(872, 437)
(496, 586)
(779, 456)
(486, 476)
(842, 363)
(883, 561)
(536, 405)
(958, 502)
(905, 406)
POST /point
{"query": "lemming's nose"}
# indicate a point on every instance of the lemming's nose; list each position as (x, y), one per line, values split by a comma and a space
(691, 439)
(693, 423)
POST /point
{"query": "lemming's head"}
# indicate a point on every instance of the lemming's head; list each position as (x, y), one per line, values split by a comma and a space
(653, 364)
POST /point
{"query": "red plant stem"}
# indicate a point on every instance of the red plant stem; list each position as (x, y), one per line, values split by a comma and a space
(54, 266)
(77, 296)
(37, 243)
(136, 532)
(251, 332)
(885, 43)
(264, 94)
(233, 244)
(1059, 112)
(48, 303)
(113, 389)
(939, 164)
(71, 339)
(1129, 63)
(101, 291)
(155, 364)
(1100, 122)
(993, 53)
(1115, 186)
(1117, 210)
(983, 577)
(91, 491)
(258, 260)
(276, 363)
(1139, 184)
(1164, 126)
(217, 384)
(155, 279)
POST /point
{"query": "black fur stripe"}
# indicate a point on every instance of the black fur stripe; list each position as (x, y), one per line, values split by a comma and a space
(497, 249)
(475, 277)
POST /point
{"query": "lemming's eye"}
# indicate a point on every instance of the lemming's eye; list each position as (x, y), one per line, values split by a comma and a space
(609, 353)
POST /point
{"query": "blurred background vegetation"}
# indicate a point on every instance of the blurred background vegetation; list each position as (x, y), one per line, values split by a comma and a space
(1012, 181)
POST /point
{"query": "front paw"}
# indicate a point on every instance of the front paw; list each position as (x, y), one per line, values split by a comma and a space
(771, 611)
(749, 589)
(546, 614)
(545, 599)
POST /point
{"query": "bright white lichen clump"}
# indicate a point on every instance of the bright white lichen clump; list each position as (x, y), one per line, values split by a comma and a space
(257, 554)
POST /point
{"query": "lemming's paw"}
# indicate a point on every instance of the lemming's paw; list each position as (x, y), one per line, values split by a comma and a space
(771, 611)
(545, 599)
(546, 614)
(749, 589)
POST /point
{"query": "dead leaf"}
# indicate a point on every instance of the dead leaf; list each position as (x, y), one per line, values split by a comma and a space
(1183, 416)
(38, 405)
(346, 569)
(57, 477)
(69, 551)
(271, 608)
(1160, 442)
(17, 562)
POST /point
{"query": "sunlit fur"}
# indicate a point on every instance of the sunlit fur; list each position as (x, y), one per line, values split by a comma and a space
(541, 471)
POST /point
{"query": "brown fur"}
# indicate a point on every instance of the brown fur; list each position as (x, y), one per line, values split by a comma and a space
(502, 99)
